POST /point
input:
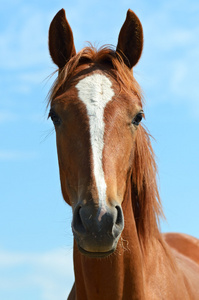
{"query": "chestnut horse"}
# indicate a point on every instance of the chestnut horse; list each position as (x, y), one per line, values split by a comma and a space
(108, 175)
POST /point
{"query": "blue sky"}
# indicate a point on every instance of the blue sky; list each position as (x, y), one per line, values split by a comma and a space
(35, 234)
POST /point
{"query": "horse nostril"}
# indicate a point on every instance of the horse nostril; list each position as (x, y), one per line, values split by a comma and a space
(78, 225)
(119, 220)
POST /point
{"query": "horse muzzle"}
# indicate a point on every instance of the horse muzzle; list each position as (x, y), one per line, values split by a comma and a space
(96, 230)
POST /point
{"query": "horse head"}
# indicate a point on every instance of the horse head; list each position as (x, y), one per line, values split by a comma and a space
(96, 109)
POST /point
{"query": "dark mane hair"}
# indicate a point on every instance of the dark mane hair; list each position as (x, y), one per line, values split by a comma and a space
(145, 196)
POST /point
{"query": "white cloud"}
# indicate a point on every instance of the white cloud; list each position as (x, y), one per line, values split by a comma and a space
(27, 81)
(14, 155)
(23, 42)
(49, 273)
(7, 116)
(170, 61)
(34, 77)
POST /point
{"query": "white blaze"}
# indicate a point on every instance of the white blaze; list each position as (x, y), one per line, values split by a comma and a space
(96, 91)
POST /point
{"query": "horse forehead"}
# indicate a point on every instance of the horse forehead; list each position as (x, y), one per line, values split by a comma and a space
(95, 90)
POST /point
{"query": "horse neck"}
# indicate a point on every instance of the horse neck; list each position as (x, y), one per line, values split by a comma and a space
(130, 272)
(119, 276)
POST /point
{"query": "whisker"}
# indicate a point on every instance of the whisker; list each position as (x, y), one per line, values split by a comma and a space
(46, 135)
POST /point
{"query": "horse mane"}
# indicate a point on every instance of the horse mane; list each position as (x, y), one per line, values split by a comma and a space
(145, 196)
(144, 191)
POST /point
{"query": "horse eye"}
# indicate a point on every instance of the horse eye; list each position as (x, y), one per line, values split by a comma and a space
(138, 118)
(54, 117)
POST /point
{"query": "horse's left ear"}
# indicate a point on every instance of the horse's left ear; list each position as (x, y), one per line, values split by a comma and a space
(130, 41)
(61, 43)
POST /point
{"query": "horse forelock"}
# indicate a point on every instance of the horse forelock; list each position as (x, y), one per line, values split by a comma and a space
(107, 59)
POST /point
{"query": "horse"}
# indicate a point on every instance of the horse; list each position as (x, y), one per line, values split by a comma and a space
(108, 175)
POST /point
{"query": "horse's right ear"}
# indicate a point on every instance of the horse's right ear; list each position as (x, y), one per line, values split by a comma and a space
(61, 43)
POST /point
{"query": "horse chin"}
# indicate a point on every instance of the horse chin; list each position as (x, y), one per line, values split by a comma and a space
(96, 254)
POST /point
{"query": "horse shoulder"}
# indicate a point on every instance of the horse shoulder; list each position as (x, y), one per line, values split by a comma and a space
(184, 244)
(185, 250)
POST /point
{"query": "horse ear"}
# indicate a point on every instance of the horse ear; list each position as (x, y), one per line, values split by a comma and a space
(130, 41)
(61, 43)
